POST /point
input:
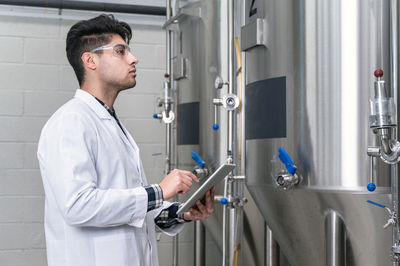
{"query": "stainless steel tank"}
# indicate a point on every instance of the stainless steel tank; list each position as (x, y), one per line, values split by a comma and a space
(309, 76)
(198, 60)
(201, 57)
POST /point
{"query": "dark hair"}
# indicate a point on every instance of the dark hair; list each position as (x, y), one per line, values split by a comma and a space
(89, 34)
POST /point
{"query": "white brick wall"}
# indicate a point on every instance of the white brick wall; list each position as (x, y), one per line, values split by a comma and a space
(35, 80)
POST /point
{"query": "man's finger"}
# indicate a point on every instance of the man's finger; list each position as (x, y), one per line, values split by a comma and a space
(190, 175)
(195, 214)
(201, 207)
(186, 180)
(210, 202)
(183, 188)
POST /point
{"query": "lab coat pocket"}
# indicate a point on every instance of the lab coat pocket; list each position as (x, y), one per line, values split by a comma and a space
(117, 250)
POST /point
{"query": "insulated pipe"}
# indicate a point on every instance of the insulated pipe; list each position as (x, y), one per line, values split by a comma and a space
(89, 6)
(335, 240)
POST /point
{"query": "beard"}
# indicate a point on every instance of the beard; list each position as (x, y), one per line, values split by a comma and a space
(126, 85)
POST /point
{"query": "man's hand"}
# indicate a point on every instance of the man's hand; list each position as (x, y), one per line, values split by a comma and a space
(203, 211)
(178, 181)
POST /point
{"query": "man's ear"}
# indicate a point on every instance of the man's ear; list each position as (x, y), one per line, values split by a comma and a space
(88, 60)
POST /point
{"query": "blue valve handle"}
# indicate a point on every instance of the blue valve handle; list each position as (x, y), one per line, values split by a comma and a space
(198, 159)
(371, 187)
(285, 159)
(215, 126)
(224, 201)
(377, 204)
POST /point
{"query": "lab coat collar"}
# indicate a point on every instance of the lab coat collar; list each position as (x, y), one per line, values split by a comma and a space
(93, 103)
(104, 114)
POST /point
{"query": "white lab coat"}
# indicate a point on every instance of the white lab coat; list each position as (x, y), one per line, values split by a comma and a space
(96, 206)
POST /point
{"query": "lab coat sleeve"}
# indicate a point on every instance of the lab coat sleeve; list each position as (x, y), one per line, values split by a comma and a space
(68, 158)
(171, 231)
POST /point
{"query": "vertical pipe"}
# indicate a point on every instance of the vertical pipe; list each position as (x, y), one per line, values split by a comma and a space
(394, 67)
(232, 237)
(231, 72)
(229, 249)
(272, 249)
(167, 108)
(224, 238)
(200, 247)
(335, 240)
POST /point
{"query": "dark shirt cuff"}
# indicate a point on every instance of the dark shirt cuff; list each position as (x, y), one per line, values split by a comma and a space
(168, 217)
(154, 196)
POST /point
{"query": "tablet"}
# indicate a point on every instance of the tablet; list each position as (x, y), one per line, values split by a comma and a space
(213, 180)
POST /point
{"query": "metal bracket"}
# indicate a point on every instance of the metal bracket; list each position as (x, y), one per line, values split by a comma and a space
(229, 101)
(169, 119)
(373, 151)
(254, 34)
(172, 23)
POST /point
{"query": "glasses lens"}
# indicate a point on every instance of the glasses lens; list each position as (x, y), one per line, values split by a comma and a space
(121, 49)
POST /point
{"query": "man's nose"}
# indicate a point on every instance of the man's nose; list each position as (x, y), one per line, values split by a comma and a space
(132, 59)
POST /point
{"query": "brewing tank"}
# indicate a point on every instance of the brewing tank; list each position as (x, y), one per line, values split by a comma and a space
(309, 76)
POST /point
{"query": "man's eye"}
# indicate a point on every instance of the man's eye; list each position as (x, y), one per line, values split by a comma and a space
(120, 50)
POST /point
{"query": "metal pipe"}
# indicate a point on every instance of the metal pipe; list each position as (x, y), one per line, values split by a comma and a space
(231, 72)
(167, 148)
(168, 108)
(394, 67)
(385, 143)
(233, 223)
(272, 249)
(199, 244)
(89, 6)
(224, 239)
(335, 240)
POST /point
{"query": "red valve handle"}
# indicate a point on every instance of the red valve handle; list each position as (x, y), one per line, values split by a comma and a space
(378, 73)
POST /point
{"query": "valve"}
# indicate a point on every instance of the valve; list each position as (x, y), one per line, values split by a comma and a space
(200, 171)
(239, 202)
(287, 180)
(229, 101)
(382, 107)
(221, 199)
(198, 159)
(392, 215)
(287, 161)
(167, 115)
(162, 116)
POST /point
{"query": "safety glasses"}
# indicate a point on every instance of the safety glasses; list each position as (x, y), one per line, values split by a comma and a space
(118, 49)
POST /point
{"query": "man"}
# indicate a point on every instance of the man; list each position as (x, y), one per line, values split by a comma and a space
(99, 209)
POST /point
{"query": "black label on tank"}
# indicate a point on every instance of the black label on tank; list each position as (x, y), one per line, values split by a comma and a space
(188, 123)
(266, 109)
